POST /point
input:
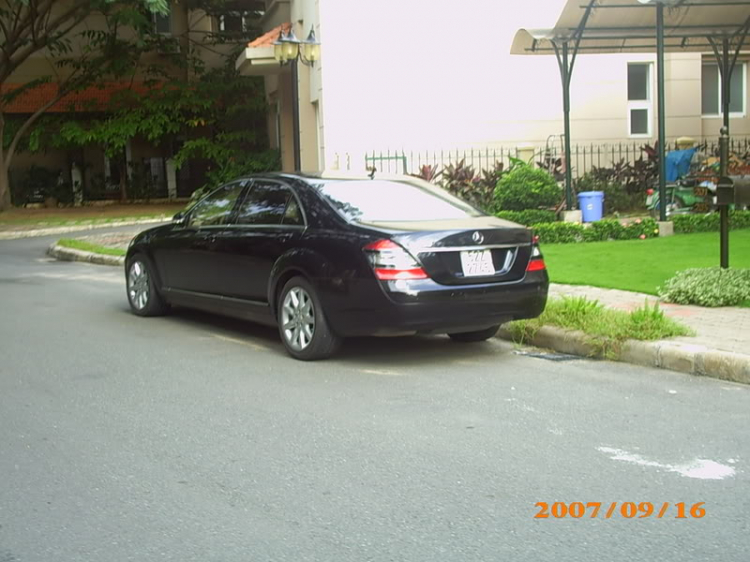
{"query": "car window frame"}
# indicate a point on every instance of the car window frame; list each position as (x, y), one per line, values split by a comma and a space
(243, 183)
(248, 190)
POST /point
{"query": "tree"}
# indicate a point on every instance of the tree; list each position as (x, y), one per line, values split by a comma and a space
(80, 57)
(213, 114)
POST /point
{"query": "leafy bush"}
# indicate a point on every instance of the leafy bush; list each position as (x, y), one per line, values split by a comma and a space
(429, 172)
(686, 224)
(463, 181)
(559, 232)
(612, 229)
(609, 229)
(528, 217)
(524, 187)
(711, 286)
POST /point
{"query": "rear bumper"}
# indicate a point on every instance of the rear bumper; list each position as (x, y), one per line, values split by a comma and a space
(424, 306)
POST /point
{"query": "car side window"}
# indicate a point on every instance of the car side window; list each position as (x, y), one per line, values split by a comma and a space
(267, 203)
(293, 213)
(216, 209)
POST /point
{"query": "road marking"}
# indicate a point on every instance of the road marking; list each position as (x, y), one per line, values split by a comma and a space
(380, 372)
(112, 278)
(702, 469)
(255, 346)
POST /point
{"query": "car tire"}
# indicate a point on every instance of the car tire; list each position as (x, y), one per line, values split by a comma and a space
(140, 284)
(303, 326)
(476, 336)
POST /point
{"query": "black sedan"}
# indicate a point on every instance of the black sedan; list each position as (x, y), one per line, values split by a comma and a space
(325, 257)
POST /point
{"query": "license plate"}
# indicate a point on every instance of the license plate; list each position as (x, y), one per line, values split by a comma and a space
(476, 263)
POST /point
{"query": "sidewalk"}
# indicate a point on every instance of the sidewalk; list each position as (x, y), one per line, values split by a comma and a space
(26, 223)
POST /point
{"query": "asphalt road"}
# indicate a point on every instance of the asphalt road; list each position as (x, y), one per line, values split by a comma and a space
(194, 438)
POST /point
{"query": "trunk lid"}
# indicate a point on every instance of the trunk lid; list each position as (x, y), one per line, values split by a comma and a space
(466, 251)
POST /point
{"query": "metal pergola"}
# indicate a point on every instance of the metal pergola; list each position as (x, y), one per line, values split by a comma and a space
(642, 26)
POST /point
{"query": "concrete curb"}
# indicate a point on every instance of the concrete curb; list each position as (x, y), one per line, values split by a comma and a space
(16, 234)
(690, 359)
(70, 254)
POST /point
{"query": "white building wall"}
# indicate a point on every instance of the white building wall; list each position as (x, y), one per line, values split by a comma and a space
(426, 75)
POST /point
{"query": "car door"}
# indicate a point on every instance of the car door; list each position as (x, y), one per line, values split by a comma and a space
(187, 254)
(268, 222)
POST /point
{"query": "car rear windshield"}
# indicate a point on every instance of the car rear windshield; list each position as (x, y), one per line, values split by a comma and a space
(387, 201)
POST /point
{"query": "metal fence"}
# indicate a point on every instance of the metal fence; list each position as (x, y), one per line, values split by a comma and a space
(583, 156)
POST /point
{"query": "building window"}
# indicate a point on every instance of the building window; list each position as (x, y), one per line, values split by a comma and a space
(163, 23)
(711, 90)
(237, 22)
(640, 104)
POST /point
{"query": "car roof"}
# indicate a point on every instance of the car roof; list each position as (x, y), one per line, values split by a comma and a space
(333, 175)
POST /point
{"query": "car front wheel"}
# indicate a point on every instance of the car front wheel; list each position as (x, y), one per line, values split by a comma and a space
(143, 296)
(477, 336)
(302, 323)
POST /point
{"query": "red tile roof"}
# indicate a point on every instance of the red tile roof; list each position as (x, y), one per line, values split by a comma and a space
(268, 38)
(95, 98)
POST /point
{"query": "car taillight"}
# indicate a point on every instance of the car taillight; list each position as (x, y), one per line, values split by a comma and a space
(536, 265)
(536, 262)
(391, 262)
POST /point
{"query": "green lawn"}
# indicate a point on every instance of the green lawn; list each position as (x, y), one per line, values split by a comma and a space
(89, 247)
(641, 265)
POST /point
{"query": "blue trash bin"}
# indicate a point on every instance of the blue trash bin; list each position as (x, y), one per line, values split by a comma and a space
(591, 204)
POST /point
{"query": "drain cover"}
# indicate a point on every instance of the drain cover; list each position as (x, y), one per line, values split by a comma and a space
(548, 356)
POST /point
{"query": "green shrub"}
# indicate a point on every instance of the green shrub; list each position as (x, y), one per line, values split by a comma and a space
(612, 229)
(528, 217)
(524, 187)
(600, 231)
(606, 329)
(559, 232)
(686, 224)
(710, 286)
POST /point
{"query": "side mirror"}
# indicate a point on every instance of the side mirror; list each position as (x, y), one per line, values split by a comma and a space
(180, 218)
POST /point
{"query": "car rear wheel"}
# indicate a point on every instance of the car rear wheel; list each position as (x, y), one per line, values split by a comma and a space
(473, 337)
(143, 296)
(303, 326)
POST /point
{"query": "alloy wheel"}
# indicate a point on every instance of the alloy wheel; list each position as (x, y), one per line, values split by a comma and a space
(298, 318)
(138, 285)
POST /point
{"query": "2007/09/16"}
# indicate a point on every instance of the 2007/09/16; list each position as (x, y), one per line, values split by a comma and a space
(628, 510)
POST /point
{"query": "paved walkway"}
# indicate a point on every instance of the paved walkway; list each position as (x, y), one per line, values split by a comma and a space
(726, 329)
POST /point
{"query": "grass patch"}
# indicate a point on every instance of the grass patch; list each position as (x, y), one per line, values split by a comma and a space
(606, 329)
(89, 247)
(641, 265)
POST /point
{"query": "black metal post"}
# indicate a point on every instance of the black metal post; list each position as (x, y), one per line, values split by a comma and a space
(662, 116)
(726, 84)
(295, 116)
(565, 70)
(726, 81)
(724, 208)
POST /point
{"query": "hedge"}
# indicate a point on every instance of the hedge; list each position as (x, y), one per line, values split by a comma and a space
(608, 229)
(528, 217)
(685, 224)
